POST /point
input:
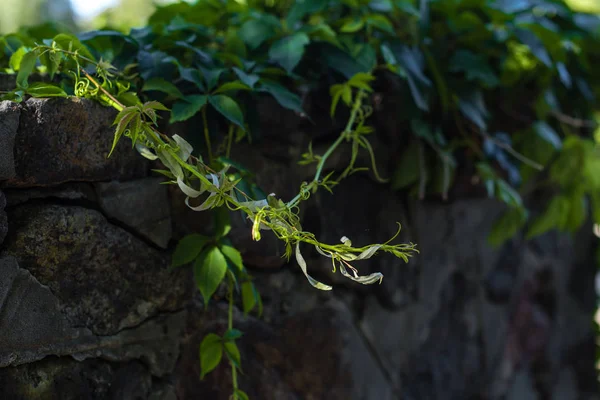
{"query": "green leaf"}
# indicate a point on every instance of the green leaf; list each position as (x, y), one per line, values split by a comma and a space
(161, 85)
(227, 107)
(234, 256)
(241, 395)
(380, 22)
(407, 172)
(40, 89)
(546, 132)
(184, 110)
(249, 298)
(255, 32)
(551, 218)
(211, 352)
(507, 226)
(353, 25)
(248, 79)
(232, 334)
(228, 86)
(209, 270)
(475, 67)
(222, 222)
(284, 97)
(288, 51)
(578, 211)
(26, 68)
(188, 248)
(233, 353)
(71, 43)
(16, 58)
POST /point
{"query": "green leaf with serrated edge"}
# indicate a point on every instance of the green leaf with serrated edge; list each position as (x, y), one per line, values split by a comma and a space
(26, 68)
(288, 51)
(209, 270)
(227, 107)
(507, 226)
(186, 109)
(40, 89)
(211, 352)
(121, 126)
(232, 334)
(233, 353)
(229, 86)
(188, 248)
(248, 297)
(161, 85)
(233, 255)
(155, 105)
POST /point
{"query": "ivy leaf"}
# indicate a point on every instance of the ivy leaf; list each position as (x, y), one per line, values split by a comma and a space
(241, 395)
(40, 89)
(233, 353)
(188, 248)
(475, 68)
(222, 222)
(161, 85)
(303, 8)
(234, 256)
(227, 107)
(536, 46)
(249, 298)
(507, 226)
(209, 270)
(211, 352)
(234, 85)
(474, 109)
(380, 22)
(192, 75)
(353, 25)
(184, 110)
(255, 32)
(284, 97)
(211, 76)
(26, 68)
(288, 51)
(248, 79)
(15, 59)
(545, 131)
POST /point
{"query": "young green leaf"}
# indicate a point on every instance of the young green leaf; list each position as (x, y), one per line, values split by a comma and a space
(227, 107)
(249, 298)
(222, 222)
(353, 25)
(186, 109)
(188, 248)
(240, 395)
(211, 352)
(551, 218)
(507, 226)
(209, 270)
(16, 58)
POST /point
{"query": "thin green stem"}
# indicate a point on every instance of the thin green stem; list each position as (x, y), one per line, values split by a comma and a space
(207, 136)
(229, 327)
(321, 165)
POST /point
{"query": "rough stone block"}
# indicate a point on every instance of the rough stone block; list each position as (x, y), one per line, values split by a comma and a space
(9, 124)
(143, 205)
(63, 140)
(105, 278)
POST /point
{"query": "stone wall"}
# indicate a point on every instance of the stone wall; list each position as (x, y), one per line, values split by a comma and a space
(90, 310)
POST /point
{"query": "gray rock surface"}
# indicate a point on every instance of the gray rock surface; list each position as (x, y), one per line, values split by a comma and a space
(64, 140)
(3, 218)
(9, 124)
(106, 278)
(142, 205)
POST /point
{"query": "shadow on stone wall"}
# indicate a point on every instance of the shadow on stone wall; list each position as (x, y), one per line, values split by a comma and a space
(90, 310)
